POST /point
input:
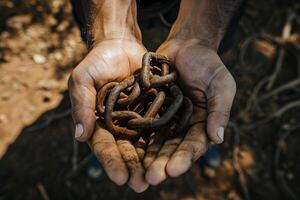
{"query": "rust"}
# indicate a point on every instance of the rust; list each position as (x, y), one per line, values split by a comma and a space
(145, 102)
(157, 81)
(156, 105)
(125, 114)
(112, 98)
(145, 73)
(102, 95)
(165, 118)
(136, 91)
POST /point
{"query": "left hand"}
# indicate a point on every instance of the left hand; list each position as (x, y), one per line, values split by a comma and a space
(207, 82)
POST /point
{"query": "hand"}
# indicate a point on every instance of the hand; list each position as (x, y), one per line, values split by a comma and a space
(110, 60)
(207, 82)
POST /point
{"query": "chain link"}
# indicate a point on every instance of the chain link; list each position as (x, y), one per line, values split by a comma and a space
(145, 102)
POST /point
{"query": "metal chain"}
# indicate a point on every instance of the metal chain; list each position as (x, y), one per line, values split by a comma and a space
(145, 102)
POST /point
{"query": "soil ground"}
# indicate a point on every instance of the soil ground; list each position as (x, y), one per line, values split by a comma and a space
(39, 46)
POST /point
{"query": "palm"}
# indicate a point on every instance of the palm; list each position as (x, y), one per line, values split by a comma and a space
(110, 60)
(206, 81)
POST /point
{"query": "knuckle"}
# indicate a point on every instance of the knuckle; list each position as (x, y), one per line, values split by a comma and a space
(172, 143)
(186, 148)
(128, 153)
(104, 153)
(131, 160)
(124, 144)
(110, 162)
(225, 113)
(199, 150)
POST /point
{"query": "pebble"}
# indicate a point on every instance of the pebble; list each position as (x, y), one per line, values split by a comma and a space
(39, 59)
(210, 172)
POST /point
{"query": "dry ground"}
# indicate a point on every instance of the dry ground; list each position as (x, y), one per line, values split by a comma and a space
(39, 46)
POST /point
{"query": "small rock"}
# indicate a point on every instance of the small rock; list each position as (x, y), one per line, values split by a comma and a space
(58, 56)
(39, 59)
(210, 172)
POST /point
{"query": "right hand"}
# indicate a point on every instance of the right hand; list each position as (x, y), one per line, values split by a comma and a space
(110, 60)
(210, 86)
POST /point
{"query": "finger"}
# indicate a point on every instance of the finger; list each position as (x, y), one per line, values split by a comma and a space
(140, 147)
(194, 145)
(106, 150)
(220, 96)
(155, 143)
(83, 99)
(156, 173)
(136, 181)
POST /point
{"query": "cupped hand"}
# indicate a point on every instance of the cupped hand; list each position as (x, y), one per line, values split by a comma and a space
(110, 60)
(207, 82)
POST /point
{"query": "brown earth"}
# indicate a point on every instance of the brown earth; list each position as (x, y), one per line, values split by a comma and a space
(39, 46)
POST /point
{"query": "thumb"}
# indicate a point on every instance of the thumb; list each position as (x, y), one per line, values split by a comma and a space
(220, 95)
(169, 49)
(83, 98)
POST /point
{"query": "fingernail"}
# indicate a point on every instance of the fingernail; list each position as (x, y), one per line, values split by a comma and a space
(220, 133)
(78, 130)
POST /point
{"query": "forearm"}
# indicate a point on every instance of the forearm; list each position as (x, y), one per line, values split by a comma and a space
(113, 19)
(204, 20)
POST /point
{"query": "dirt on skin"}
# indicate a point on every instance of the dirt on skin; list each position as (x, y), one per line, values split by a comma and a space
(39, 46)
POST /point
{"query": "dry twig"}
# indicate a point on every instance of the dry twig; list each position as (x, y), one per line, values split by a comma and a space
(275, 114)
(255, 92)
(42, 191)
(282, 88)
(244, 48)
(286, 33)
(236, 165)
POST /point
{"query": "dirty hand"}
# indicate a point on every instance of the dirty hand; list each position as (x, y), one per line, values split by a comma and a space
(207, 82)
(110, 60)
(116, 54)
(192, 47)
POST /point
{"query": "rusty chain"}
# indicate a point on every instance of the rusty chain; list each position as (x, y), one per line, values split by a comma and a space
(144, 102)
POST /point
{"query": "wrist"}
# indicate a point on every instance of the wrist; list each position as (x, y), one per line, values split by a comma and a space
(176, 48)
(114, 19)
(203, 21)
